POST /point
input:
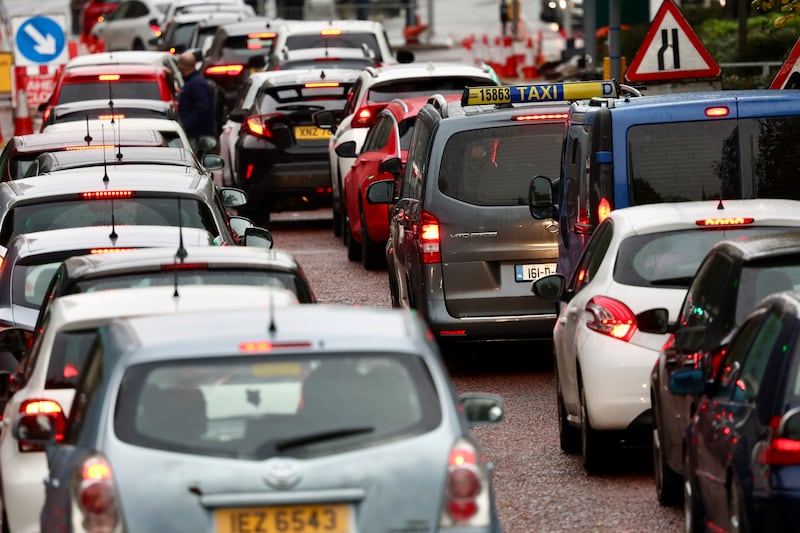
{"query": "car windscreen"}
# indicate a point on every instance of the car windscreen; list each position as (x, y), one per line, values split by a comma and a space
(711, 159)
(335, 40)
(414, 87)
(70, 351)
(195, 274)
(78, 92)
(136, 211)
(671, 258)
(494, 166)
(254, 408)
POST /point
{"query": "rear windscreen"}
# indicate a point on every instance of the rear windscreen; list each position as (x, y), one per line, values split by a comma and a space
(714, 159)
(244, 46)
(140, 211)
(494, 166)
(409, 88)
(342, 40)
(78, 92)
(258, 407)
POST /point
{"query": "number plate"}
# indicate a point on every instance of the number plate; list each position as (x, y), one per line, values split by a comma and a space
(334, 518)
(311, 133)
(533, 272)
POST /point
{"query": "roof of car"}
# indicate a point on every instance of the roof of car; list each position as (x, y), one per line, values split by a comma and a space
(125, 57)
(297, 76)
(312, 26)
(335, 328)
(253, 24)
(78, 309)
(130, 107)
(97, 127)
(652, 218)
(707, 97)
(114, 155)
(58, 140)
(756, 247)
(150, 258)
(122, 69)
(91, 237)
(428, 69)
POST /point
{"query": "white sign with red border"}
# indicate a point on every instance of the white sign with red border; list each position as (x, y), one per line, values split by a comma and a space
(788, 77)
(671, 50)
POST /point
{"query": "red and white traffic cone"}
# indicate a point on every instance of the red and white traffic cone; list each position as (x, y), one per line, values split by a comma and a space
(530, 71)
(23, 123)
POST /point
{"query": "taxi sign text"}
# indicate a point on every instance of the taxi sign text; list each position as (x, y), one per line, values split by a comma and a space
(538, 92)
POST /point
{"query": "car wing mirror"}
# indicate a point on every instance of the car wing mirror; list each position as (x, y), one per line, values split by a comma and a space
(232, 197)
(240, 224)
(540, 198)
(381, 192)
(213, 162)
(552, 287)
(346, 149)
(258, 237)
(392, 165)
(653, 321)
(481, 409)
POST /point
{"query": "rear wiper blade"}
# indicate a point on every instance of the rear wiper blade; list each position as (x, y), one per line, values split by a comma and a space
(303, 440)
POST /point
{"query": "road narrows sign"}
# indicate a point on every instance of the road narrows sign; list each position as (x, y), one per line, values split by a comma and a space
(671, 50)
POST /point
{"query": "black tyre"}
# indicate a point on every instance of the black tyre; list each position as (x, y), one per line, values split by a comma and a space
(692, 508)
(353, 247)
(372, 253)
(337, 223)
(593, 445)
(569, 437)
(668, 482)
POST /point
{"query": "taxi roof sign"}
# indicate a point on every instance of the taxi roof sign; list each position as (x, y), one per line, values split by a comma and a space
(538, 92)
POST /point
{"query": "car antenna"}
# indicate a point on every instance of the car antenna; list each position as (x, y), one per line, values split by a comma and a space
(88, 137)
(113, 235)
(272, 328)
(105, 165)
(118, 133)
(719, 205)
(181, 253)
(111, 102)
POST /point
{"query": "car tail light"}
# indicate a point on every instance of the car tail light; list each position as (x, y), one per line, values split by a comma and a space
(466, 501)
(116, 116)
(603, 209)
(540, 116)
(168, 267)
(101, 251)
(258, 125)
(50, 408)
(108, 77)
(93, 490)
(429, 238)
(330, 33)
(268, 346)
(321, 85)
(155, 29)
(106, 195)
(779, 451)
(724, 221)
(366, 116)
(94, 147)
(262, 35)
(715, 112)
(611, 317)
(224, 70)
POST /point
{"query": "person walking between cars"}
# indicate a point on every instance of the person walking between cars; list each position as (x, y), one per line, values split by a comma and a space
(196, 101)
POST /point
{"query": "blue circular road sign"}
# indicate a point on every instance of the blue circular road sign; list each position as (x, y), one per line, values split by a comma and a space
(40, 39)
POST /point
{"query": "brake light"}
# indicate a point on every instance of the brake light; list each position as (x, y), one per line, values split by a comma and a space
(779, 451)
(106, 195)
(546, 116)
(715, 112)
(95, 147)
(611, 317)
(46, 114)
(108, 77)
(168, 267)
(224, 70)
(111, 117)
(50, 408)
(429, 238)
(330, 33)
(603, 209)
(321, 84)
(258, 125)
(262, 35)
(95, 494)
(366, 116)
(466, 501)
(267, 346)
(725, 221)
(155, 29)
(101, 251)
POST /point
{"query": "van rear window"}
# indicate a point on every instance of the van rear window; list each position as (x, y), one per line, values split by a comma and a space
(494, 166)
(78, 92)
(688, 161)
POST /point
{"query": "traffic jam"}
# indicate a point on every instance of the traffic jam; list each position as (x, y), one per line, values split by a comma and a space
(168, 364)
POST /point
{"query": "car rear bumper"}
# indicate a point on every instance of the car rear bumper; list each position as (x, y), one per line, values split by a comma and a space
(286, 186)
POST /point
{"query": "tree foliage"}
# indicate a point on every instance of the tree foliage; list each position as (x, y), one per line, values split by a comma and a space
(787, 10)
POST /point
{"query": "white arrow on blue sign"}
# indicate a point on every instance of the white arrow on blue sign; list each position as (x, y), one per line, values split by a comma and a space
(40, 39)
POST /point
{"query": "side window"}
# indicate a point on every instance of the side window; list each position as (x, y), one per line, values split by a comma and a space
(350, 106)
(417, 161)
(25, 369)
(707, 298)
(574, 156)
(593, 256)
(49, 296)
(86, 391)
(378, 134)
(137, 9)
(732, 364)
(764, 346)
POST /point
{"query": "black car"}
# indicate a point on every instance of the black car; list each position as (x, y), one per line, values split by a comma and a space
(734, 276)
(742, 459)
(281, 155)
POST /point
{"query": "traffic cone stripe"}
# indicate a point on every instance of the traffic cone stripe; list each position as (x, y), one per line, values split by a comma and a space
(23, 124)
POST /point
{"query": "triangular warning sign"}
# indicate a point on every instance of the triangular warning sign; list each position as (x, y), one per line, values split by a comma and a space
(788, 77)
(671, 50)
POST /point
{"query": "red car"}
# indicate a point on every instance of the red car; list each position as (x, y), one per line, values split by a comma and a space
(92, 11)
(382, 157)
(118, 81)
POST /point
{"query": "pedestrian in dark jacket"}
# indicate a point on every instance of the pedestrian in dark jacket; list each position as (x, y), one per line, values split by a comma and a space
(196, 100)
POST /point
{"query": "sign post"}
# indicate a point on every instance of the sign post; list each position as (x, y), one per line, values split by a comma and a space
(40, 50)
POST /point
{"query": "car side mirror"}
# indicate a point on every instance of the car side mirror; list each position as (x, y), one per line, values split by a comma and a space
(550, 287)
(232, 197)
(392, 165)
(255, 236)
(15, 341)
(653, 321)
(35, 430)
(405, 56)
(540, 198)
(325, 120)
(346, 149)
(381, 192)
(213, 162)
(481, 408)
(240, 224)
(238, 115)
(687, 381)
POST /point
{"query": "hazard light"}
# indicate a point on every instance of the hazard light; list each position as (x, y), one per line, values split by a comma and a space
(538, 92)
(725, 221)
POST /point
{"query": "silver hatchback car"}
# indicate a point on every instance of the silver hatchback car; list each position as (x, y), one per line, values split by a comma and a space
(253, 421)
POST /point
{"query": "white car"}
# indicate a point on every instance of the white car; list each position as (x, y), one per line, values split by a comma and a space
(172, 130)
(639, 258)
(132, 25)
(376, 87)
(47, 378)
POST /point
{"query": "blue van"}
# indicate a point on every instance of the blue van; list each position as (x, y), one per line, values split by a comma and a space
(632, 150)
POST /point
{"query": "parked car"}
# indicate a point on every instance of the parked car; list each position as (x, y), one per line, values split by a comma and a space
(638, 258)
(732, 279)
(94, 11)
(304, 58)
(49, 375)
(305, 420)
(132, 25)
(742, 443)
(189, 30)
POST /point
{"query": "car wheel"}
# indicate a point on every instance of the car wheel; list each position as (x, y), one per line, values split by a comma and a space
(569, 437)
(737, 515)
(592, 441)
(353, 247)
(337, 223)
(692, 511)
(668, 482)
(372, 253)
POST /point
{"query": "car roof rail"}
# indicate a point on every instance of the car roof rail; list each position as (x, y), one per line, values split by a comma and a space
(439, 104)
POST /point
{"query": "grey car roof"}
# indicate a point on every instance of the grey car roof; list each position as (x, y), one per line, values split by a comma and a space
(753, 248)
(160, 155)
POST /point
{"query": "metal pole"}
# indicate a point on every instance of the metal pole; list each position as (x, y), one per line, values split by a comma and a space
(589, 29)
(431, 25)
(411, 13)
(614, 45)
(567, 20)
